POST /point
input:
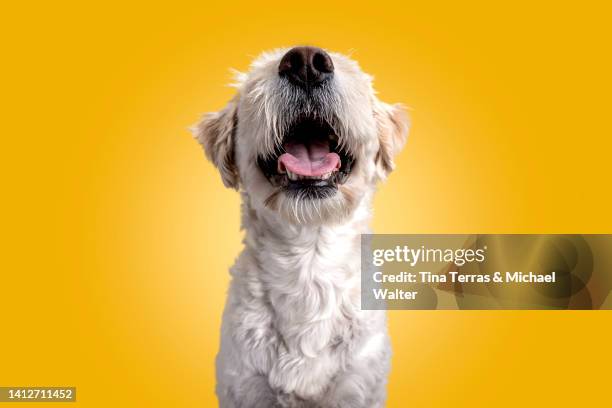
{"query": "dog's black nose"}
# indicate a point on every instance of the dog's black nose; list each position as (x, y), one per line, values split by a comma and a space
(306, 66)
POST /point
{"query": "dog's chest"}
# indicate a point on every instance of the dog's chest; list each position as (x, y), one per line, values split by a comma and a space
(314, 308)
(300, 307)
(309, 353)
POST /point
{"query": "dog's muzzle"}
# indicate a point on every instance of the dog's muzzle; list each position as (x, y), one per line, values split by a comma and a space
(309, 161)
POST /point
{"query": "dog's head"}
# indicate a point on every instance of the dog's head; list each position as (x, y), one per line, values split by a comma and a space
(305, 136)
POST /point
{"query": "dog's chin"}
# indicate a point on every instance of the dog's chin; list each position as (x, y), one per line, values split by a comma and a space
(312, 205)
(312, 189)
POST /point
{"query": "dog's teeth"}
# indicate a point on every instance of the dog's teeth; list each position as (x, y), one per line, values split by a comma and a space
(325, 176)
(295, 176)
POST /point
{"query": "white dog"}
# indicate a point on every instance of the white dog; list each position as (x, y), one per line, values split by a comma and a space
(305, 141)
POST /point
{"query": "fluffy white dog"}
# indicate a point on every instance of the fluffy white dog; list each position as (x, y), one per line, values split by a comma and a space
(305, 140)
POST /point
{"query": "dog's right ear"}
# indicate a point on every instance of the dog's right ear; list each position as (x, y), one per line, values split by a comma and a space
(216, 133)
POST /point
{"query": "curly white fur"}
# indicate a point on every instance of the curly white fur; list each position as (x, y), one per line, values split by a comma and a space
(293, 333)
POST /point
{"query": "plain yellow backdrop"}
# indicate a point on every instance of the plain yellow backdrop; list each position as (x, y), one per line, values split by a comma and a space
(117, 234)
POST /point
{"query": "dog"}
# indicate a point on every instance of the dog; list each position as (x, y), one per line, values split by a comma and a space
(305, 140)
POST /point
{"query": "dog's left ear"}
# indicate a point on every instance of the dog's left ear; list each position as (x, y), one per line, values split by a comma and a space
(393, 124)
(216, 133)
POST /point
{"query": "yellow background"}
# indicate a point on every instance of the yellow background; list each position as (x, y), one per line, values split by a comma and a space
(117, 234)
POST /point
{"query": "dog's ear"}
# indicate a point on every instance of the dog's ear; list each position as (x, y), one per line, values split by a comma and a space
(216, 133)
(393, 124)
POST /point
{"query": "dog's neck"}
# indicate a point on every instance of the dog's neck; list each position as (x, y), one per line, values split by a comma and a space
(266, 227)
(308, 275)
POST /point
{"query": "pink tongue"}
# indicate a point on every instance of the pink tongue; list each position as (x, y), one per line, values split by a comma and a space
(312, 160)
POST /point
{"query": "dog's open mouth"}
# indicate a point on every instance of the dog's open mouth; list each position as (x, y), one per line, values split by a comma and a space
(310, 160)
